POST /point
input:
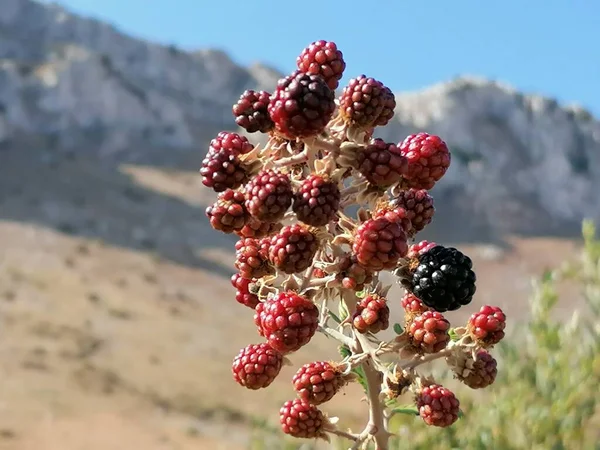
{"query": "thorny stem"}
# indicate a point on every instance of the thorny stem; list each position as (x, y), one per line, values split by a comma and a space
(335, 334)
(344, 434)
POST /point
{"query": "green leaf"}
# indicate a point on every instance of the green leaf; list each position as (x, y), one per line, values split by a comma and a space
(344, 351)
(410, 410)
(361, 377)
(453, 335)
(362, 294)
(334, 317)
(343, 311)
(398, 328)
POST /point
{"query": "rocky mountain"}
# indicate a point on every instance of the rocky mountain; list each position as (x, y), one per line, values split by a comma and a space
(521, 163)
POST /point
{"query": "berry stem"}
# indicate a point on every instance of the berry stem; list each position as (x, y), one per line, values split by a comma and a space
(344, 434)
(426, 358)
(300, 158)
(335, 334)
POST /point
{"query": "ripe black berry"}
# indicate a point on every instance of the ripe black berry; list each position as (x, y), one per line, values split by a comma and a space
(442, 278)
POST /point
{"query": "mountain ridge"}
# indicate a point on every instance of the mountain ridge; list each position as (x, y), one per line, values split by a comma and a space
(522, 163)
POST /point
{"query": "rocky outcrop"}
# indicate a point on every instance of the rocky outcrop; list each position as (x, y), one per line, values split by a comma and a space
(521, 163)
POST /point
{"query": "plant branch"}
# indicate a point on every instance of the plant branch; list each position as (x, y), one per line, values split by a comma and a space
(425, 359)
(344, 434)
(335, 334)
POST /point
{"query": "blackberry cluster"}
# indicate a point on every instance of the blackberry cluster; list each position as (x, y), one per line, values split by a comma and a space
(319, 210)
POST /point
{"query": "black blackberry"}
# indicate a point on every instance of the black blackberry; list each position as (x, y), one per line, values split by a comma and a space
(442, 278)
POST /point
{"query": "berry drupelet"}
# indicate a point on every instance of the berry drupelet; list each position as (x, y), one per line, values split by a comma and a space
(353, 275)
(301, 106)
(441, 277)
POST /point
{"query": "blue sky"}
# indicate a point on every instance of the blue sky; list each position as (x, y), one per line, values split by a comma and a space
(551, 47)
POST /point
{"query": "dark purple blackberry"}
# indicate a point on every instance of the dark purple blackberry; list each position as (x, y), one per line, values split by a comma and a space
(301, 106)
(418, 205)
(389, 106)
(442, 278)
(317, 201)
(381, 163)
(222, 168)
(323, 58)
(251, 111)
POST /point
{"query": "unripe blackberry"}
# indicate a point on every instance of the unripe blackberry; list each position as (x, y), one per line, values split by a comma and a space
(318, 382)
(288, 321)
(415, 250)
(301, 106)
(269, 195)
(257, 229)
(418, 205)
(372, 314)
(389, 107)
(300, 419)
(412, 305)
(222, 169)
(234, 142)
(396, 215)
(487, 326)
(251, 111)
(379, 244)
(323, 58)
(362, 101)
(317, 201)
(353, 275)
(251, 258)
(437, 405)
(229, 213)
(256, 366)
(381, 163)
(480, 373)
(292, 249)
(442, 278)
(428, 332)
(242, 291)
(428, 160)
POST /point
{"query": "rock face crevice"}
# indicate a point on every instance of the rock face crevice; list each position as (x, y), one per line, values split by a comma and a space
(521, 163)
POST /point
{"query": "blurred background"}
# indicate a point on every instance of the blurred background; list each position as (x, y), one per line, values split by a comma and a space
(118, 321)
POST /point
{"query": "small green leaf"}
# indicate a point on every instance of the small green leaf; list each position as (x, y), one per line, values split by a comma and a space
(343, 310)
(453, 335)
(410, 410)
(344, 351)
(334, 317)
(398, 328)
(361, 294)
(361, 377)
(461, 414)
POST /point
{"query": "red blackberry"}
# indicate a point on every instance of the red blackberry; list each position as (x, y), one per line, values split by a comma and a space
(419, 248)
(437, 405)
(256, 366)
(300, 419)
(379, 244)
(487, 326)
(362, 101)
(381, 163)
(301, 106)
(229, 213)
(428, 332)
(251, 111)
(323, 58)
(269, 195)
(293, 248)
(251, 258)
(428, 160)
(353, 275)
(234, 142)
(242, 291)
(396, 215)
(317, 201)
(412, 305)
(480, 373)
(318, 382)
(442, 278)
(418, 205)
(288, 321)
(372, 314)
(389, 107)
(222, 169)
(257, 229)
